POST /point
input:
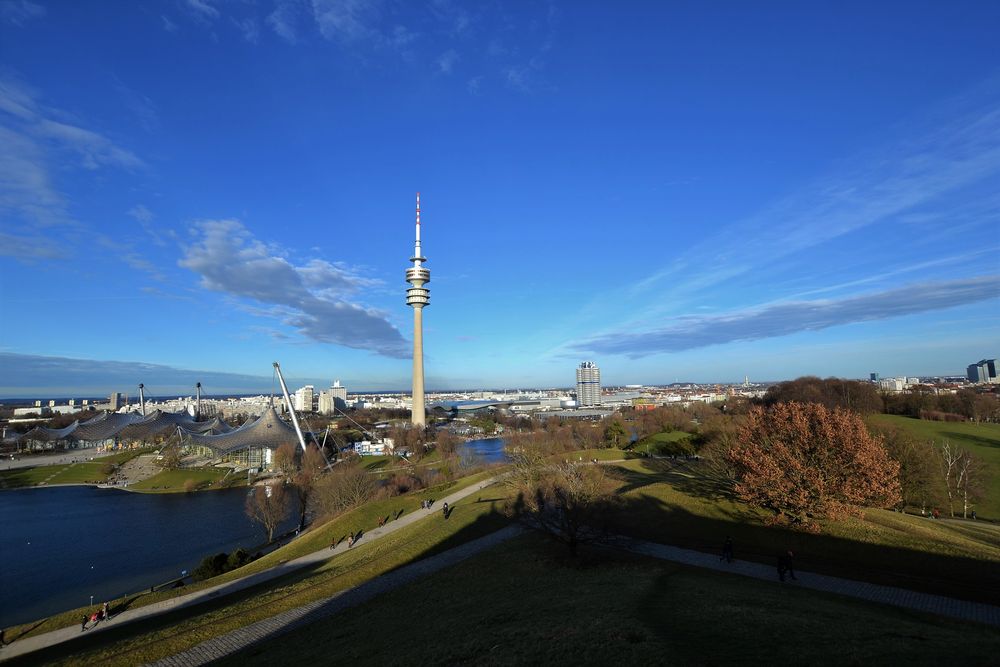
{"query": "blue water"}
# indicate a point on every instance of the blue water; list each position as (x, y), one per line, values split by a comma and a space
(490, 450)
(59, 546)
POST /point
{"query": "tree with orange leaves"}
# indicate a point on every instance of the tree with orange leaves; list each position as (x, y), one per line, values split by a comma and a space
(803, 462)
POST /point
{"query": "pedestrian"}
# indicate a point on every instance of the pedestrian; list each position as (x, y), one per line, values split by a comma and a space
(83, 625)
(973, 515)
(350, 541)
(95, 618)
(105, 611)
(444, 510)
(785, 565)
(936, 513)
(727, 550)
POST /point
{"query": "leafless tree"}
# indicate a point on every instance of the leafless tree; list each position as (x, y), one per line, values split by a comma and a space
(268, 506)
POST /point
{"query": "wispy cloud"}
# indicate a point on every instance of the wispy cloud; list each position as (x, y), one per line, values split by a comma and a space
(781, 319)
(203, 10)
(284, 20)
(34, 136)
(936, 158)
(19, 12)
(316, 298)
(249, 28)
(446, 61)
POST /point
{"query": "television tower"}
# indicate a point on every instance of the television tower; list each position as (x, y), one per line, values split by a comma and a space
(418, 296)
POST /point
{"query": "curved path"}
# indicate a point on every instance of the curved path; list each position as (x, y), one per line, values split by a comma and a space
(19, 647)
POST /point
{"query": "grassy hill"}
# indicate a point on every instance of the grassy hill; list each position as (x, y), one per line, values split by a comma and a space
(982, 440)
(525, 602)
(522, 604)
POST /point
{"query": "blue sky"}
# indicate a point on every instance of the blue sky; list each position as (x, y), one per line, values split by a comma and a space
(677, 191)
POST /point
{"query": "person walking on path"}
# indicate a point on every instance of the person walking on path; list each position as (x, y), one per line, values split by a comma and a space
(785, 565)
(83, 625)
(350, 541)
(105, 612)
(727, 550)
(444, 510)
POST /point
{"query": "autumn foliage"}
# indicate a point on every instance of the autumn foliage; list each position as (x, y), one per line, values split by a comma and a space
(804, 461)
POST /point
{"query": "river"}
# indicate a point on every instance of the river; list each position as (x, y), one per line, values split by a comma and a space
(61, 545)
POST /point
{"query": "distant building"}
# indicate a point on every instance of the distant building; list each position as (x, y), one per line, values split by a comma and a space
(983, 371)
(333, 399)
(873, 377)
(304, 398)
(588, 384)
(115, 401)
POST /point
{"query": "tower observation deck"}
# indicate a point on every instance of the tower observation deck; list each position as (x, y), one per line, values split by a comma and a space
(418, 296)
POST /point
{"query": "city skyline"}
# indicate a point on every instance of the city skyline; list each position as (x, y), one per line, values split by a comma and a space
(207, 187)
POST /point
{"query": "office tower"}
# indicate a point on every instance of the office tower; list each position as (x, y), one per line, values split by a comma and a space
(588, 384)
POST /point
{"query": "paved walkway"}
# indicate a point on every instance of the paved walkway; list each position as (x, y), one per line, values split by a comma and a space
(244, 638)
(269, 628)
(897, 597)
(29, 644)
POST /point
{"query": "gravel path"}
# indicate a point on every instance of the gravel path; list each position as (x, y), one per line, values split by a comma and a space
(269, 628)
(862, 590)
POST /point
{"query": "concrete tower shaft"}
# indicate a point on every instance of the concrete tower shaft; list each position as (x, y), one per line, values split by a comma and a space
(418, 296)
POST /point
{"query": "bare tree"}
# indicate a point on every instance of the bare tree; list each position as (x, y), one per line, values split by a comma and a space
(950, 461)
(304, 481)
(968, 480)
(268, 506)
(346, 486)
(284, 460)
(568, 502)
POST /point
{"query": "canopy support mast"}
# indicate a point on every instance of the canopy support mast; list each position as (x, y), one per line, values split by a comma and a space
(291, 408)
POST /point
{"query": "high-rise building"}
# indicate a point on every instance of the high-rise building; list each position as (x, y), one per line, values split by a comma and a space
(304, 398)
(115, 401)
(418, 296)
(873, 377)
(983, 371)
(333, 399)
(588, 384)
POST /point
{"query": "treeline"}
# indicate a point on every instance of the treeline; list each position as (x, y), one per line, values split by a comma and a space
(920, 402)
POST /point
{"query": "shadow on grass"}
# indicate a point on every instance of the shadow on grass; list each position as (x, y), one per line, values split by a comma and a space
(109, 634)
(972, 439)
(953, 576)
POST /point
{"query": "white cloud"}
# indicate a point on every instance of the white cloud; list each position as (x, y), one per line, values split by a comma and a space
(31, 140)
(203, 10)
(19, 12)
(446, 61)
(283, 20)
(348, 20)
(248, 27)
(781, 319)
(314, 298)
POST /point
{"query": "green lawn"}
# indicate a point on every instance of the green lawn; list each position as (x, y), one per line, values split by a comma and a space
(88, 472)
(982, 440)
(177, 631)
(171, 481)
(316, 537)
(678, 503)
(522, 604)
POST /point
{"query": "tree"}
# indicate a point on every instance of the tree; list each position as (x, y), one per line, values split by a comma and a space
(963, 476)
(283, 461)
(347, 485)
(446, 442)
(615, 433)
(304, 481)
(268, 506)
(971, 472)
(803, 462)
(919, 482)
(566, 501)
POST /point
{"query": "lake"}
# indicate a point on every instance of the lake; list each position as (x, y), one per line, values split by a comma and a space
(60, 545)
(490, 450)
